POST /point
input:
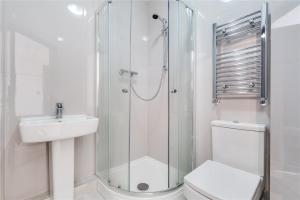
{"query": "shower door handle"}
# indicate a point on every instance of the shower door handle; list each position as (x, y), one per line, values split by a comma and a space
(131, 73)
(124, 90)
(173, 91)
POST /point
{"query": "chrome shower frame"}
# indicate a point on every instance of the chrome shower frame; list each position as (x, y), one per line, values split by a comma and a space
(194, 61)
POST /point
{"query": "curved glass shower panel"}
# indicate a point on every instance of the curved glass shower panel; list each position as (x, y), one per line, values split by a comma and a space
(145, 52)
(114, 92)
(186, 86)
(102, 57)
(181, 81)
(149, 97)
(173, 60)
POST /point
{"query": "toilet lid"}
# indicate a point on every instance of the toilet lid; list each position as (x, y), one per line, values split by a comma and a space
(218, 181)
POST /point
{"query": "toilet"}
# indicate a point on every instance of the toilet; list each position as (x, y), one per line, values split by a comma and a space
(236, 171)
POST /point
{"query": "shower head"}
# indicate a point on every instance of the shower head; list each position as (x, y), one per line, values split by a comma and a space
(156, 16)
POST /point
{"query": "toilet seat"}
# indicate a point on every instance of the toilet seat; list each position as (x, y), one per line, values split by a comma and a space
(213, 180)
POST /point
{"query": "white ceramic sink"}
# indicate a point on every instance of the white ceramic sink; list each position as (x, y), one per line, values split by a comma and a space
(45, 129)
(60, 133)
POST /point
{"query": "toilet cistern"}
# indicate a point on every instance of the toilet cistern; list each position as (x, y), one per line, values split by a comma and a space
(236, 170)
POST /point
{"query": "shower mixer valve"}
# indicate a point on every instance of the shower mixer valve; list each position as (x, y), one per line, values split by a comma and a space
(124, 71)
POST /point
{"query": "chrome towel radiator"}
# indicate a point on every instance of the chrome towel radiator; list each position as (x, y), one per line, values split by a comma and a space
(241, 57)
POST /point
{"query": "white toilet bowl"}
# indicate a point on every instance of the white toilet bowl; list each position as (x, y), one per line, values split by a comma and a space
(237, 169)
(213, 180)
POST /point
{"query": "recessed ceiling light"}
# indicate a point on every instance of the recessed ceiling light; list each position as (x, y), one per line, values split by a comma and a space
(60, 39)
(225, 1)
(77, 10)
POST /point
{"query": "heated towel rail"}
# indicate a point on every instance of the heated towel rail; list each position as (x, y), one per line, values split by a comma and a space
(241, 57)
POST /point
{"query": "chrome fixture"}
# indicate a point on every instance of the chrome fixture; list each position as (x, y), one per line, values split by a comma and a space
(173, 91)
(124, 71)
(124, 90)
(156, 16)
(163, 21)
(59, 110)
(164, 32)
(242, 72)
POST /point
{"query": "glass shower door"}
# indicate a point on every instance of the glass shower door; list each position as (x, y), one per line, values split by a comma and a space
(114, 93)
(181, 85)
(157, 134)
(102, 57)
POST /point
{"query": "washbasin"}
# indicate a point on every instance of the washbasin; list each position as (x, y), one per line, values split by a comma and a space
(45, 129)
(60, 133)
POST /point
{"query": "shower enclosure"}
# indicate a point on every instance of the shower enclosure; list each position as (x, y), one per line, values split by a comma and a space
(145, 62)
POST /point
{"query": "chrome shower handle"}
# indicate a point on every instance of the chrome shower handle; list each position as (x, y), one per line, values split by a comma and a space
(124, 90)
(125, 71)
(173, 91)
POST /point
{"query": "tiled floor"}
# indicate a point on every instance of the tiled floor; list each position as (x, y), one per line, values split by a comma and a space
(87, 192)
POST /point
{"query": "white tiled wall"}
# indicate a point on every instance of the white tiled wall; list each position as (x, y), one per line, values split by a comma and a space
(43, 71)
(158, 108)
(139, 63)
(29, 94)
(285, 109)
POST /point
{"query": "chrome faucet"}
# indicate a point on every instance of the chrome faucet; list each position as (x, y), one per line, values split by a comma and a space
(59, 110)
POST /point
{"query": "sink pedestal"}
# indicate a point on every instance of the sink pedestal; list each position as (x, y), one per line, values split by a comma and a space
(60, 133)
(63, 169)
